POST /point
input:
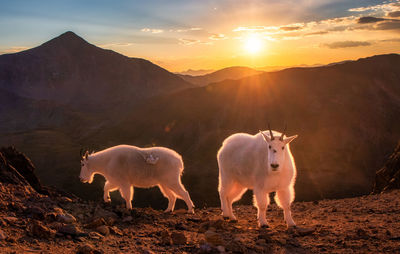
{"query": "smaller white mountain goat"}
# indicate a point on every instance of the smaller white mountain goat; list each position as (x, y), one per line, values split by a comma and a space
(260, 162)
(126, 167)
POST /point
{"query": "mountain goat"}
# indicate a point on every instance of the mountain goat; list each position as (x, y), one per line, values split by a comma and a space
(259, 162)
(126, 167)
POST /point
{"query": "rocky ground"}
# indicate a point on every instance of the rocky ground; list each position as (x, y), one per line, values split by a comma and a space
(35, 223)
(37, 219)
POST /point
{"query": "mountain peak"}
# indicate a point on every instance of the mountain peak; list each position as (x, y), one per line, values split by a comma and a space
(69, 35)
(68, 39)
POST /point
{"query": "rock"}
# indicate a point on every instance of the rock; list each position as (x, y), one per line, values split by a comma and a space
(104, 230)
(165, 238)
(194, 219)
(23, 165)
(58, 210)
(261, 242)
(362, 234)
(95, 235)
(178, 238)
(127, 219)
(66, 218)
(11, 220)
(3, 235)
(180, 226)
(217, 224)
(70, 229)
(116, 231)
(51, 216)
(35, 212)
(87, 249)
(37, 229)
(221, 249)
(204, 227)
(205, 248)
(146, 251)
(213, 238)
(110, 221)
(388, 177)
(305, 231)
(97, 222)
(101, 213)
(180, 211)
(236, 246)
(281, 241)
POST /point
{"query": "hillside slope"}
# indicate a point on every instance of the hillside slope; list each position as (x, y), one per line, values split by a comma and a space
(346, 116)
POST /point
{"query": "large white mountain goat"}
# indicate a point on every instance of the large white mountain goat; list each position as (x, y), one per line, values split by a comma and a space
(126, 167)
(260, 162)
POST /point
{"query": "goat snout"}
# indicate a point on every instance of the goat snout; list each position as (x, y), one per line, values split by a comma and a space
(274, 166)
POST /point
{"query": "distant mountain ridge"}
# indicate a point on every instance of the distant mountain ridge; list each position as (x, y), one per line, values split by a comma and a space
(235, 72)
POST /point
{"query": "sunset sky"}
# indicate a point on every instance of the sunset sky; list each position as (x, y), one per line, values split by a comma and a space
(204, 34)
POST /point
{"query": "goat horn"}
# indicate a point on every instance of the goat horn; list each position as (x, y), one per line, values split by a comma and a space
(283, 133)
(270, 132)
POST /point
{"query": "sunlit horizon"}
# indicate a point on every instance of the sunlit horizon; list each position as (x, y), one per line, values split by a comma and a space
(213, 35)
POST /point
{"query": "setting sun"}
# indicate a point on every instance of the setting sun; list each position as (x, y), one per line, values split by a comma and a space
(253, 44)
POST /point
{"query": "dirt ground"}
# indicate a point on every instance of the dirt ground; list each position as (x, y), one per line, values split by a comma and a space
(34, 223)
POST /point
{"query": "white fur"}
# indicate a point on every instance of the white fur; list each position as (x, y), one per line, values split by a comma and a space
(126, 167)
(245, 163)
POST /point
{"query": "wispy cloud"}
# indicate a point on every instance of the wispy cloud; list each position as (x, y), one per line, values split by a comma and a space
(13, 50)
(217, 37)
(290, 28)
(186, 30)
(118, 44)
(152, 30)
(346, 44)
(366, 20)
(191, 42)
(378, 7)
(250, 28)
(394, 14)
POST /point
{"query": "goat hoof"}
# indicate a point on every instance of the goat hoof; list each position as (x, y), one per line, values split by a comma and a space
(264, 226)
(190, 211)
(168, 211)
(233, 221)
(225, 217)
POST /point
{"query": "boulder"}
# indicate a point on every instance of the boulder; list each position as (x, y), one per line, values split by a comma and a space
(87, 249)
(23, 165)
(39, 230)
(388, 177)
(66, 218)
(70, 229)
(103, 229)
(178, 238)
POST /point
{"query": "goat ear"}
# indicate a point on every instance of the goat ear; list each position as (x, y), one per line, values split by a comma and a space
(287, 140)
(266, 138)
(86, 156)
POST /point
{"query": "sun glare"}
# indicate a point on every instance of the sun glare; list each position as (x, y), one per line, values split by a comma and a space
(253, 44)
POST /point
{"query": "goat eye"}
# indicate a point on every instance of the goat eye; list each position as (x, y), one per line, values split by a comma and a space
(283, 147)
(269, 147)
